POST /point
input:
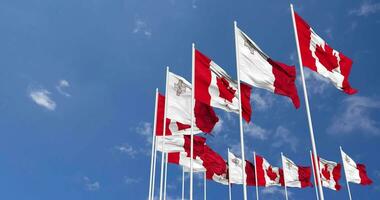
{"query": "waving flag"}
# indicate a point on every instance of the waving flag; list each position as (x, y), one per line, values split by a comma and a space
(216, 167)
(183, 159)
(355, 173)
(235, 171)
(318, 56)
(330, 173)
(259, 70)
(294, 175)
(214, 87)
(267, 175)
(180, 143)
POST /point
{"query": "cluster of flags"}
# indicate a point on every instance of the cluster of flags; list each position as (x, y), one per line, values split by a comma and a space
(188, 109)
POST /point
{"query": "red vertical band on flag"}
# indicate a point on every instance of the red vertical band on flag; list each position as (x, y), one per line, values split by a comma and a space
(364, 179)
(260, 171)
(160, 115)
(173, 157)
(304, 174)
(203, 77)
(250, 172)
(245, 90)
(337, 175)
(205, 117)
(213, 162)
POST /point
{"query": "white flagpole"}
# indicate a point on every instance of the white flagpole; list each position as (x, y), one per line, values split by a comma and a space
(256, 181)
(154, 168)
(204, 186)
(164, 134)
(345, 174)
(240, 116)
(315, 181)
(314, 148)
(183, 183)
(283, 166)
(192, 120)
(153, 147)
(229, 175)
(166, 174)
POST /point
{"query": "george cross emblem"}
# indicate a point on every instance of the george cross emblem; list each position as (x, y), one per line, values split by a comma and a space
(180, 87)
(249, 46)
(288, 165)
(347, 159)
(235, 161)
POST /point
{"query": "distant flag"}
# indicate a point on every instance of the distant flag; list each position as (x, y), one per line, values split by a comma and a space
(216, 166)
(259, 70)
(267, 175)
(235, 172)
(295, 175)
(355, 173)
(183, 159)
(318, 56)
(330, 173)
(214, 87)
(179, 109)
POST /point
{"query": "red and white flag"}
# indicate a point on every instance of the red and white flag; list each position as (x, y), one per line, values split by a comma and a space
(214, 87)
(267, 175)
(355, 173)
(235, 173)
(318, 56)
(183, 159)
(330, 173)
(216, 166)
(180, 143)
(295, 175)
(178, 119)
(259, 70)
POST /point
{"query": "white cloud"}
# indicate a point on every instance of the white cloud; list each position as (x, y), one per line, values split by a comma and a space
(218, 127)
(283, 137)
(328, 32)
(256, 131)
(262, 100)
(91, 185)
(315, 83)
(275, 191)
(129, 180)
(62, 84)
(356, 116)
(41, 97)
(366, 8)
(142, 27)
(194, 4)
(145, 129)
(127, 149)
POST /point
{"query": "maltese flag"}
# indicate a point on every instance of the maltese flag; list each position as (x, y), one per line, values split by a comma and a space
(235, 172)
(294, 175)
(318, 56)
(355, 173)
(214, 87)
(259, 70)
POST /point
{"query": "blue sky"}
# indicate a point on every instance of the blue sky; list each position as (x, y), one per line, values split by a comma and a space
(78, 78)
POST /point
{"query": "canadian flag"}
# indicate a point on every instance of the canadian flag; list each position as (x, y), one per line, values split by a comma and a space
(267, 175)
(355, 173)
(318, 56)
(259, 70)
(330, 173)
(235, 173)
(216, 166)
(214, 87)
(183, 159)
(178, 119)
(294, 175)
(180, 143)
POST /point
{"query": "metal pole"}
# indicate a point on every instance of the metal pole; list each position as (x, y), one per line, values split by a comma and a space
(153, 147)
(183, 183)
(164, 134)
(256, 180)
(315, 181)
(240, 116)
(229, 175)
(166, 174)
(345, 174)
(283, 166)
(204, 186)
(314, 148)
(192, 121)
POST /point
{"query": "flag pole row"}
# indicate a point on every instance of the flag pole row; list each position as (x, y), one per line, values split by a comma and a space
(190, 111)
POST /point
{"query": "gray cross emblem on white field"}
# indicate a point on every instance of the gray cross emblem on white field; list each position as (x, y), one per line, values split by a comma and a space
(347, 159)
(248, 44)
(180, 87)
(235, 161)
(288, 165)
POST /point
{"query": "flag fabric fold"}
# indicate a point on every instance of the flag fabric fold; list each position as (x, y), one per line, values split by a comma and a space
(355, 173)
(180, 143)
(318, 56)
(216, 166)
(183, 159)
(259, 70)
(295, 175)
(235, 173)
(330, 173)
(267, 175)
(214, 87)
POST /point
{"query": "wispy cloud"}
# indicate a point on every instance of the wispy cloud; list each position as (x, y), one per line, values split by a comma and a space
(256, 131)
(262, 100)
(218, 127)
(42, 98)
(145, 129)
(62, 85)
(355, 115)
(130, 180)
(194, 4)
(283, 137)
(275, 191)
(142, 28)
(316, 84)
(127, 149)
(366, 8)
(91, 185)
